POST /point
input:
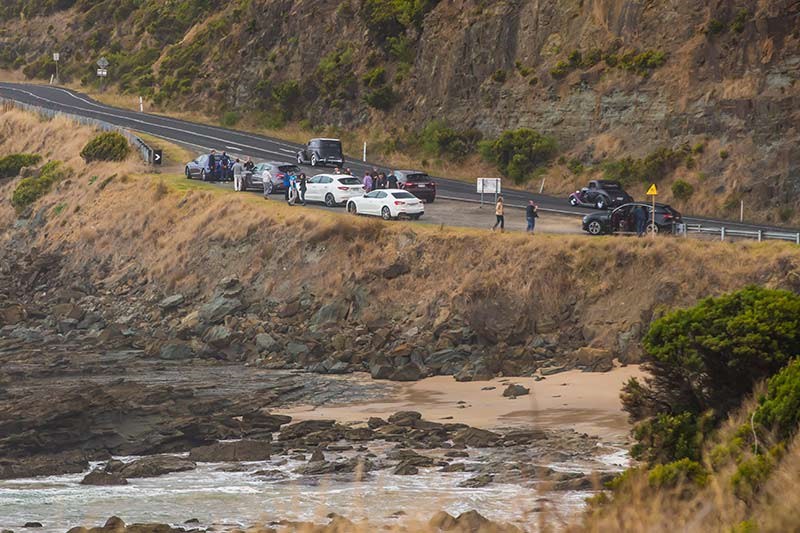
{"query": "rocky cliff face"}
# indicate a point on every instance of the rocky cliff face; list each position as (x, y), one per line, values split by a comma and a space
(607, 78)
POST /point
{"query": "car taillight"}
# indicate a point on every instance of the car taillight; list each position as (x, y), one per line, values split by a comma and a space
(667, 216)
(343, 188)
(433, 184)
(280, 175)
(399, 202)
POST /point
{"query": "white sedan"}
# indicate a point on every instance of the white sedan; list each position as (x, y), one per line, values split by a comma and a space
(387, 203)
(333, 189)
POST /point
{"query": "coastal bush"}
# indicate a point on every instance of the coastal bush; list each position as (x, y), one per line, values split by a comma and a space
(518, 153)
(10, 165)
(390, 18)
(652, 168)
(229, 119)
(703, 361)
(30, 189)
(714, 27)
(739, 21)
(682, 190)
(560, 69)
(382, 98)
(678, 473)
(334, 75)
(109, 146)
(499, 76)
(439, 140)
(778, 409)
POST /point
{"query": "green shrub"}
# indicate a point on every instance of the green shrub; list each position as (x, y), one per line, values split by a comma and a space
(375, 78)
(752, 472)
(439, 140)
(715, 27)
(518, 153)
(785, 213)
(677, 473)
(575, 166)
(698, 148)
(499, 76)
(10, 165)
(30, 189)
(723, 154)
(643, 62)
(109, 146)
(682, 190)
(778, 409)
(708, 357)
(740, 20)
(381, 98)
(560, 69)
(670, 437)
(390, 18)
(334, 75)
(653, 168)
(230, 119)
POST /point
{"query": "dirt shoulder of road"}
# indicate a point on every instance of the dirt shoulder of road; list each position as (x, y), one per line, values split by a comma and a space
(585, 401)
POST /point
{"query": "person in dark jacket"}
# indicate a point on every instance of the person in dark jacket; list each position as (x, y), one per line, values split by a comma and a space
(301, 185)
(531, 214)
(640, 219)
(212, 164)
(287, 184)
(392, 181)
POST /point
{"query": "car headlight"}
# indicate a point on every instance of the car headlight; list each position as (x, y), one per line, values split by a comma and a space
(586, 219)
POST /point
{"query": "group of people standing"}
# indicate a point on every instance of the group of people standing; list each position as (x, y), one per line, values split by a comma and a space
(531, 214)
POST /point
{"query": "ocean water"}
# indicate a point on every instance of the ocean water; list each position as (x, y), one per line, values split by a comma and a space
(239, 499)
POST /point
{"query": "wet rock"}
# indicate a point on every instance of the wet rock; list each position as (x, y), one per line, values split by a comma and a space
(12, 314)
(477, 438)
(359, 434)
(514, 390)
(550, 370)
(580, 482)
(455, 467)
(442, 521)
(296, 349)
(381, 370)
(405, 418)
(472, 521)
(266, 343)
(405, 469)
(410, 457)
(304, 428)
(174, 351)
(68, 310)
(317, 456)
(271, 474)
(217, 309)
(456, 453)
(475, 370)
(218, 337)
(374, 422)
(43, 465)
(242, 450)
(289, 310)
(172, 302)
(99, 477)
(331, 313)
(114, 522)
(32, 524)
(477, 481)
(524, 436)
(156, 465)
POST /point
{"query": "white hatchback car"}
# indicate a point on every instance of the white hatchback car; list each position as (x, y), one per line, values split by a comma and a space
(333, 189)
(387, 203)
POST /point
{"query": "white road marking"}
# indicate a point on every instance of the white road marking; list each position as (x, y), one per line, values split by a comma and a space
(287, 151)
(233, 148)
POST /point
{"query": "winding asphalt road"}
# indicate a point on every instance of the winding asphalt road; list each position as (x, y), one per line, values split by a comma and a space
(204, 138)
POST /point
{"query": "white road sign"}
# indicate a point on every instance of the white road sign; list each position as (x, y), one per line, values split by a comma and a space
(489, 185)
(56, 56)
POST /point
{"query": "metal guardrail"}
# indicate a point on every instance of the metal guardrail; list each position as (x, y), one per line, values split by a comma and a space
(723, 232)
(142, 147)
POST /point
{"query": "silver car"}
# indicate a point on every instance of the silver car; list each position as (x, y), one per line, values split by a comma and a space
(277, 170)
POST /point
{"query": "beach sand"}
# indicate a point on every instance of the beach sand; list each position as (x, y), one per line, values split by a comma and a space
(585, 401)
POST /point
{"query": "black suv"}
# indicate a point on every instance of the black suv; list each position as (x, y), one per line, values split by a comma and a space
(621, 219)
(602, 194)
(321, 152)
(417, 183)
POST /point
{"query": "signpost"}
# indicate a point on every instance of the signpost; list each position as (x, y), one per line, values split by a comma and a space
(653, 192)
(489, 185)
(102, 72)
(158, 156)
(56, 57)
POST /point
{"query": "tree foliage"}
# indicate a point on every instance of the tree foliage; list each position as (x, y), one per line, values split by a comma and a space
(109, 146)
(30, 189)
(518, 153)
(10, 165)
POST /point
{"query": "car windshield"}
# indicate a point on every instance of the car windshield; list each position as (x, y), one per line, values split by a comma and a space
(289, 169)
(418, 178)
(349, 181)
(403, 194)
(329, 147)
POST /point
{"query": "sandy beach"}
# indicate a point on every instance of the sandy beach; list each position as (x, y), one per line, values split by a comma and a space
(585, 401)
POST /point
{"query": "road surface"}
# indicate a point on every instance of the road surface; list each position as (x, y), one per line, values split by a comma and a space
(204, 138)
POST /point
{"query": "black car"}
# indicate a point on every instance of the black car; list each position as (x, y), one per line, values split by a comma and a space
(417, 183)
(199, 168)
(621, 219)
(602, 194)
(321, 152)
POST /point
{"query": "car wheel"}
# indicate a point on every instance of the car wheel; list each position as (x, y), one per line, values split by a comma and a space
(416, 217)
(203, 175)
(188, 173)
(314, 160)
(268, 187)
(433, 199)
(595, 228)
(652, 228)
(386, 214)
(330, 201)
(601, 203)
(573, 201)
(352, 209)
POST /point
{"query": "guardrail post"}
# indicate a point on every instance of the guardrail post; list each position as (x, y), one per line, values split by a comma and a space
(722, 233)
(760, 234)
(797, 239)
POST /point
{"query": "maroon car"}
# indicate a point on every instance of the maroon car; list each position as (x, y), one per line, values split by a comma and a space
(417, 183)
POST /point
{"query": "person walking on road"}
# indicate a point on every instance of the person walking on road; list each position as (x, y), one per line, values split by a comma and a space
(238, 174)
(212, 164)
(301, 184)
(499, 211)
(367, 182)
(531, 214)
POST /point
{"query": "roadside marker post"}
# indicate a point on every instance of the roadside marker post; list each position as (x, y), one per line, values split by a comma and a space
(653, 192)
(141, 105)
(365, 152)
(56, 57)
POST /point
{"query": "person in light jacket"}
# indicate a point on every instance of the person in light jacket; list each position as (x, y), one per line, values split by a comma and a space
(499, 212)
(238, 175)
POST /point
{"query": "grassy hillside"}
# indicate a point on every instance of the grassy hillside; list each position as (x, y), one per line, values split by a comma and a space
(698, 98)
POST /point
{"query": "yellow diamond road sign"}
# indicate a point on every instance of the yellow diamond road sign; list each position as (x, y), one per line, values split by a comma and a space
(652, 191)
